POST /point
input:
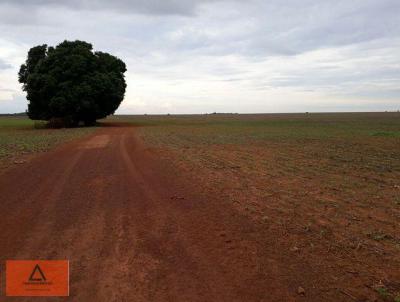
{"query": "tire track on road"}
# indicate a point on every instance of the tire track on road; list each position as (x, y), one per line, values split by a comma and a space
(108, 205)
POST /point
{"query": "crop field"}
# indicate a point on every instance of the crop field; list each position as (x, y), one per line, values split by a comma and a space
(220, 207)
(21, 137)
(327, 186)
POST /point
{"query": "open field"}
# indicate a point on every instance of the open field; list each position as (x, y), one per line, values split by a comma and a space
(302, 207)
(326, 185)
(19, 138)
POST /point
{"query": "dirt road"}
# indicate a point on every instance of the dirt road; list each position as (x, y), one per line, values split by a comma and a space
(135, 230)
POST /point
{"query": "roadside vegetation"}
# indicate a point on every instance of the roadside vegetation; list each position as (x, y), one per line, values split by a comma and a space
(21, 137)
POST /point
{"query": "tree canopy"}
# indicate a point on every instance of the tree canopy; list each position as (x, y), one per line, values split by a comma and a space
(72, 83)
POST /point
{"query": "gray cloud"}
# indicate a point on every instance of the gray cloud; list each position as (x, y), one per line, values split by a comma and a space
(223, 48)
(157, 7)
(17, 103)
(4, 65)
(254, 27)
(301, 26)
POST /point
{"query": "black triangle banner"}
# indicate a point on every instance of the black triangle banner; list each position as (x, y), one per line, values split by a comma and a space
(37, 270)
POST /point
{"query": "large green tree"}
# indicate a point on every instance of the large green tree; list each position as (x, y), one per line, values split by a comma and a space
(72, 83)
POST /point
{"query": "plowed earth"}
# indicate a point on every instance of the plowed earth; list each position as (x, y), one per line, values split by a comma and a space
(135, 229)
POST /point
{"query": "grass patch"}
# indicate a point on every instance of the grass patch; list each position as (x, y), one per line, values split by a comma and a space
(383, 292)
(310, 142)
(20, 135)
(387, 134)
(249, 128)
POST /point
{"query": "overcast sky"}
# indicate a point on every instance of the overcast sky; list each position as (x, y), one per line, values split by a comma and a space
(227, 56)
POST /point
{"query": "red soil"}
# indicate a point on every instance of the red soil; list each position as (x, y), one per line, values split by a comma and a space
(135, 230)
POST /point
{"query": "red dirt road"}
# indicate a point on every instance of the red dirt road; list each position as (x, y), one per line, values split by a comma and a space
(135, 230)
